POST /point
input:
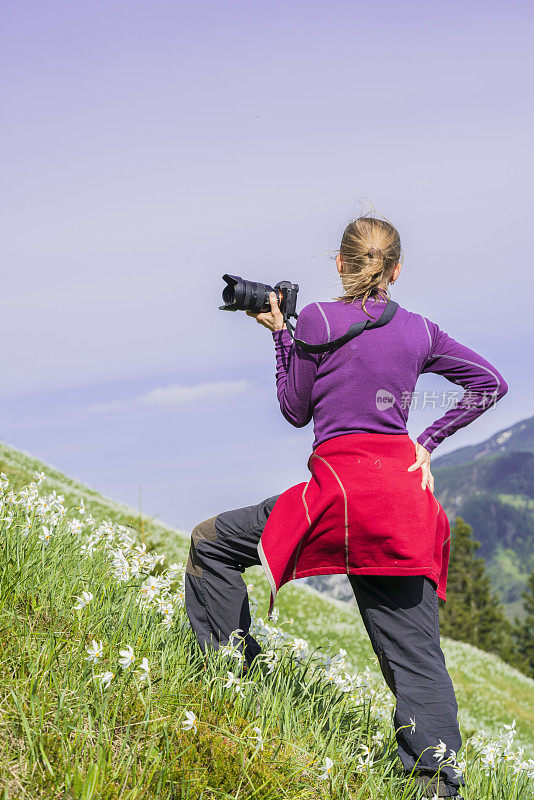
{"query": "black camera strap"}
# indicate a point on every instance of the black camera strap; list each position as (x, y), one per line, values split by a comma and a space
(354, 330)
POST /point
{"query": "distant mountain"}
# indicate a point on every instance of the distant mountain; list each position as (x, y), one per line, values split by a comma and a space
(520, 437)
(491, 486)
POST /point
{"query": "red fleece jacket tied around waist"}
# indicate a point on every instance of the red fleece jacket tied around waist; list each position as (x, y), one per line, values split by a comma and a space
(360, 513)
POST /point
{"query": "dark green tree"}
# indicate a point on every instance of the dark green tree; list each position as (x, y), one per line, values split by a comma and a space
(473, 613)
(524, 629)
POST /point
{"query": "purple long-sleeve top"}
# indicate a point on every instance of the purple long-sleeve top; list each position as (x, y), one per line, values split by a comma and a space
(367, 384)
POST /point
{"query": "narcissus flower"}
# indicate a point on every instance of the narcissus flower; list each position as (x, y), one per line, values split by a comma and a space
(84, 599)
(105, 678)
(95, 651)
(144, 670)
(327, 769)
(127, 657)
(45, 536)
(440, 750)
(189, 722)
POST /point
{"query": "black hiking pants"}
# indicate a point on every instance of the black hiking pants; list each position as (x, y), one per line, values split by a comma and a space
(400, 614)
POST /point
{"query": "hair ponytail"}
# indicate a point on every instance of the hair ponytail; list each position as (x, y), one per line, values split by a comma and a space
(370, 249)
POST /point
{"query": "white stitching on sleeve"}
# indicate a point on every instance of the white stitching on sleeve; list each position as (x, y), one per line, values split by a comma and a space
(446, 426)
(325, 319)
(429, 336)
(474, 363)
(465, 361)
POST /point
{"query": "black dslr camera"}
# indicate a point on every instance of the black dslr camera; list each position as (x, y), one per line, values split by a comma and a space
(242, 295)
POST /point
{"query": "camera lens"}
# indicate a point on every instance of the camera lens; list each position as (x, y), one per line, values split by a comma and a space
(243, 295)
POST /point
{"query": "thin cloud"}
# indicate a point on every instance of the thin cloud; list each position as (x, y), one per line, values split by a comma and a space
(177, 395)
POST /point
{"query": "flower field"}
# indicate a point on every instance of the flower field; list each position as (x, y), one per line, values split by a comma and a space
(105, 693)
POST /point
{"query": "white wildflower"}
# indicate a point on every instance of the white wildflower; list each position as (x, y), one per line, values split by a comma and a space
(144, 669)
(175, 569)
(165, 607)
(236, 634)
(440, 750)
(105, 678)
(84, 599)
(189, 723)
(378, 737)
(121, 566)
(270, 658)
(166, 622)
(45, 536)
(460, 768)
(75, 526)
(127, 657)
(327, 769)
(150, 588)
(364, 757)
(230, 650)
(344, 682)
(259, 738)
(95, 651)
(300, 648)
(233, 681)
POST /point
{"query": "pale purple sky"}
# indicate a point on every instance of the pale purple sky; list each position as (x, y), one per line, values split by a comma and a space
(150, 147)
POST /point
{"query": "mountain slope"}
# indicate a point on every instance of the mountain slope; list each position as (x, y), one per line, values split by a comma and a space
(518, 437)
(490, 693)
(491, 486)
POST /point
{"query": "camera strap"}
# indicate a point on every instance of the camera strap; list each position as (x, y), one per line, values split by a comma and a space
(354, 330)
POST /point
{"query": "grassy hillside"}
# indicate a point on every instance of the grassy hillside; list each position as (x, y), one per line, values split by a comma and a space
(81, 728)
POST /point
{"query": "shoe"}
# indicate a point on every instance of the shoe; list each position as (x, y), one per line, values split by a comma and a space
(440, 796)
(432, 787)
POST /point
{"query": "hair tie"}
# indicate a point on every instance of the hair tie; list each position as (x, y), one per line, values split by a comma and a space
(373, 251)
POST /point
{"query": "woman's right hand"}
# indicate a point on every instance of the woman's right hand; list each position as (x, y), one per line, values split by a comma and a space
(422, 461)
(273, 319)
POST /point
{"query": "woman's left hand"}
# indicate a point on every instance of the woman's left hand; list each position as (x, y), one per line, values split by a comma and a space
(273, 319)
(422, 461)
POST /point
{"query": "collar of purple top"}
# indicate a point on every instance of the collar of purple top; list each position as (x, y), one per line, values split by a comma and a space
(374, 298)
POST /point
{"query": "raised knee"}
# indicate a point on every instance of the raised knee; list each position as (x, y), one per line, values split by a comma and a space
(204, 531)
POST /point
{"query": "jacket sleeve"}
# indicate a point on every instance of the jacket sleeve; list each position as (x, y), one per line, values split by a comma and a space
(296, 369)
(483, 384)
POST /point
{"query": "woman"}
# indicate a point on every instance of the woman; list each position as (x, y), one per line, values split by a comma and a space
(368, 509)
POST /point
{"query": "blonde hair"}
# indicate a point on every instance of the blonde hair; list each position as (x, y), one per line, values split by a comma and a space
(370, 249)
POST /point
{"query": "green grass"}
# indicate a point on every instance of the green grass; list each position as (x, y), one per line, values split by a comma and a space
(63, 734)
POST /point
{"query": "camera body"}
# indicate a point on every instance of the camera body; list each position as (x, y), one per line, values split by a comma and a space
(243, 295)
